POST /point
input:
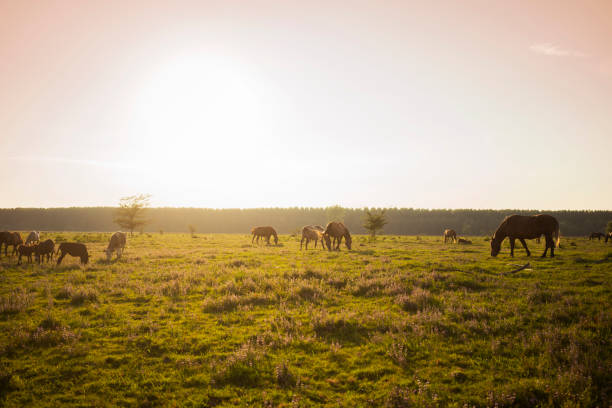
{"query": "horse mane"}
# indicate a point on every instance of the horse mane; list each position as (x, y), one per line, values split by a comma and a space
(501, 228)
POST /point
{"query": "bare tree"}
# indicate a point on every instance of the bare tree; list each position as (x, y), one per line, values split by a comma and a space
(130, 214)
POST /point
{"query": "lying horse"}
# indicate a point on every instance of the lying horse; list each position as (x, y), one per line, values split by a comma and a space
(450, 234)
(265, 232)
(116, 244)
(464, 241)
(526, 227)
(597, 235)
(74, 249)
(338, 231)
(47, 248)
(33, 238)
(313, 232)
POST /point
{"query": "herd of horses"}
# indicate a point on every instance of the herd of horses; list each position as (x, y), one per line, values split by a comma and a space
(330, 237)
(513, 227)
(34, 247)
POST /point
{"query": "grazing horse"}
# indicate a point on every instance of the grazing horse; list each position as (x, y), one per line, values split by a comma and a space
(338, 231)
(450, 234)
(116, 244)
(523, 227)
(33, 238)
(10, 238)
(313, 232)
(46, 247)
(265, 232)
(25, 250)
(608, 236)
(4, 236)
(74, 249)
(597, 235)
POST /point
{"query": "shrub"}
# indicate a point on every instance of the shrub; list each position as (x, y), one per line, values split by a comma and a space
(16, 301)
(419, 299)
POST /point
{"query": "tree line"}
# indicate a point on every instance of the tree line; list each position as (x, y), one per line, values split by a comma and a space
(399, 221)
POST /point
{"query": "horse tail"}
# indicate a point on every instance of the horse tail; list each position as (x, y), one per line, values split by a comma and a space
(557, 235)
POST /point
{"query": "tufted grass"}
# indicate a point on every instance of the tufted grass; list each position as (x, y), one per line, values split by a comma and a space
(399, 322)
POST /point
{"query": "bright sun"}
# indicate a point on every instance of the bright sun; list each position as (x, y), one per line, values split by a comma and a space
(199, 107)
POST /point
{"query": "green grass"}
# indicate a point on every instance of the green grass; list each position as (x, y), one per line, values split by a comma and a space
(400, 322)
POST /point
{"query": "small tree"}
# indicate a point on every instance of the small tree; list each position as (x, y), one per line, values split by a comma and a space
(374, 222)
(130, 214)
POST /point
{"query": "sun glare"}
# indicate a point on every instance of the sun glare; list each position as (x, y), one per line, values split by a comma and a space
(198, 109)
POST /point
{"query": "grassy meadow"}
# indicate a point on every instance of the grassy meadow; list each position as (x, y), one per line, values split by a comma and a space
(215, 321)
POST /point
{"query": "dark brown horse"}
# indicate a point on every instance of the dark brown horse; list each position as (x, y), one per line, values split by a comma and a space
(338, 231)
(47, 248)
(450, 234)
(597, 235)
(10, 238)
(264, 232)
(523, 227)
(74, 249)
(27, 251)
(608, 237)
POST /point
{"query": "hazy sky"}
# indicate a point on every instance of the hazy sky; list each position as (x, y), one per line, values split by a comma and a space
(429, 104)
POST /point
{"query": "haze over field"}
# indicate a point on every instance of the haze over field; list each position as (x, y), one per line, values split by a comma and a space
(255, 104)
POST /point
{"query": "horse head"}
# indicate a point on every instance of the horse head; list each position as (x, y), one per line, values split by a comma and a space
(495, 246)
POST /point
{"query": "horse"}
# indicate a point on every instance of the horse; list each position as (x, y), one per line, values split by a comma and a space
(46, 247)
(116, 244)
(450, 234)
(25, 250)
(597, 235)
(523, 227)
(464, 241)
(74, 249)
(313, 232)
(338, 231)
(33, 238)
(265, 232)
(608, 236)
(10, 238)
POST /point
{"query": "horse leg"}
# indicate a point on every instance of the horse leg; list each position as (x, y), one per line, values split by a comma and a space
(511, 246)
(525, 246)
(548, 238)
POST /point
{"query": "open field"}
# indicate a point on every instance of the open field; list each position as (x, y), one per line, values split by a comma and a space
(215, 321)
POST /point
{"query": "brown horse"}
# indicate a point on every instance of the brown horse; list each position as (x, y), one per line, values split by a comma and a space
(74, 249)
(464, 241)
(265, 232)
(313, 233)
(10, 238)
(523, 227)
(44, 248)
(608, 236)
(27, 251)
(597, 235)
(338, 231)
(450, 234)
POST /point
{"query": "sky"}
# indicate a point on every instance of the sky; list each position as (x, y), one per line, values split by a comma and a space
(241, 104)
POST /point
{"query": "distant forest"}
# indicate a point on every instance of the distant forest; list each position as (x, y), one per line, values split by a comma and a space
(401, 221)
